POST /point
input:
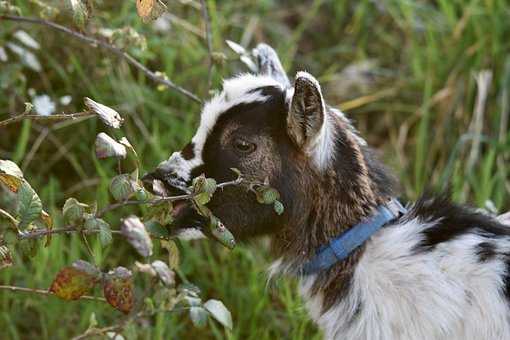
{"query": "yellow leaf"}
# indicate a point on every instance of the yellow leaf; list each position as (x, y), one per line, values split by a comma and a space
(48, 221)
(173, 253)
(11, 182)
(149, 9)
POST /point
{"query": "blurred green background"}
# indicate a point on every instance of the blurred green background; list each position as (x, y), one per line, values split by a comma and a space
(426, 82)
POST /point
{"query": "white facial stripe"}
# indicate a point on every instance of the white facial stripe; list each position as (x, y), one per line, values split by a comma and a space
(235, 91)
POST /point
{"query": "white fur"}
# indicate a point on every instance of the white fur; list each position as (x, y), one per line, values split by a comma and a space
(322, 149)
(191, 233)
(235, 91)
(445, 293)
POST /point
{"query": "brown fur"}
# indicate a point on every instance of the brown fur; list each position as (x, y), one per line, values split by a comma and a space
(337, 203)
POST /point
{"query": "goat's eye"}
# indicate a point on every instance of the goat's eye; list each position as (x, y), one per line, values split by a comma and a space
(243, 146)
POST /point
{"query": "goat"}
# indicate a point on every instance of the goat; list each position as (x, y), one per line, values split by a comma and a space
(368, 268)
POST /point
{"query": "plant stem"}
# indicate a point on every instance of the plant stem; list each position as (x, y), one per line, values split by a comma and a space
(46, 292)
(71, 229)
(58, 117)
(100, 43)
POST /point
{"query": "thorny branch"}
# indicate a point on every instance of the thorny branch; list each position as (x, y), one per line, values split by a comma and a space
(100, 43)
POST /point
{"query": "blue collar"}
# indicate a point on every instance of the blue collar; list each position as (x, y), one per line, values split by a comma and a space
(342, 246)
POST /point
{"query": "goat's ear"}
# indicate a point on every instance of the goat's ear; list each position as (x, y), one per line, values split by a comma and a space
(307, 110)
(269, 64)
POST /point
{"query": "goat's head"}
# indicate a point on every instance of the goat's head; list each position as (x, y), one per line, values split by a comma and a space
(269, 129)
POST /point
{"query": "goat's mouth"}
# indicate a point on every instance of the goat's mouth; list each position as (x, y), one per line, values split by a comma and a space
(187, 223)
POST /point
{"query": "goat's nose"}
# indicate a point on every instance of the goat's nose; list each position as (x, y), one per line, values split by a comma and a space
(173, 183)
(147, 179)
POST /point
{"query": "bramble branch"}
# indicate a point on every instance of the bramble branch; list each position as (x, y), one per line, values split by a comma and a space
(46, 292)
(100, 43)
(57, 117)
(156, 201)
(35, 234)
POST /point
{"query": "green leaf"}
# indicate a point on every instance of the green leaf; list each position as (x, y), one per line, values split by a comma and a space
(202, 198)
(29, 205)
(160, 213)
(10, 174)
(198, 184)
(118, 289)
(106, 147)
(198, 316)
(142, 195)
(210, 186)
(105, 232)
(278, 207)
(174, 257)
(73, 211)
(156, 229)
(266, 195)
(218, 311)
(221, 233)
(136, 234)
(75, 281)
(122, 187)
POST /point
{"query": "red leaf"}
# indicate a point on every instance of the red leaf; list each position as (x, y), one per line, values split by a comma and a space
(118, 289)
(75, 281)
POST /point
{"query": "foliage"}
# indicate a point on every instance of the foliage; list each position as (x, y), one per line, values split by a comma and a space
(75, 281)
(402, 70)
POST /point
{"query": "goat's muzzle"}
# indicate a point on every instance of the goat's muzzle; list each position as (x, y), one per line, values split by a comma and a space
(186, 221)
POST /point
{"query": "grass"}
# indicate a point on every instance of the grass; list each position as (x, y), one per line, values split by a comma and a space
(415, 104)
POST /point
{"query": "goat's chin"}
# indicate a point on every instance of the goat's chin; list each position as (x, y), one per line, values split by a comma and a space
(187, 223)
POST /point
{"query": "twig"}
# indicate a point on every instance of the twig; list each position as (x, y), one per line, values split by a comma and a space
(46, 292)
(64, 230)
(207, 21)
(156, 201)
(22, 116)
(70, 229)
(99, 43)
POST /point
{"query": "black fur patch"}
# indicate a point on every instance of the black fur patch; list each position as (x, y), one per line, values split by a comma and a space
(485, 251)
(451, 221)
(197, 171)
(188, 152)
(506, 281)
(267, 90)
